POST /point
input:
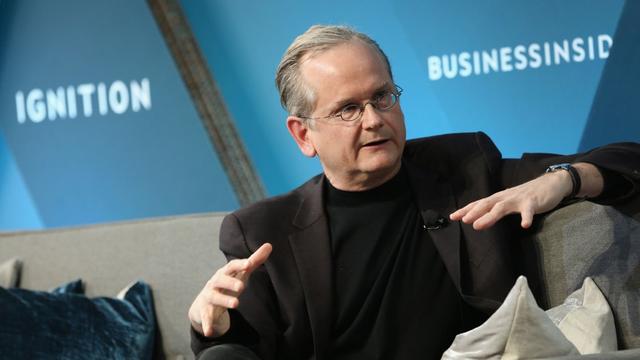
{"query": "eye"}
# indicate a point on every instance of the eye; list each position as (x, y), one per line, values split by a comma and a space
(380, 95)
(350, 112)
(384, 100)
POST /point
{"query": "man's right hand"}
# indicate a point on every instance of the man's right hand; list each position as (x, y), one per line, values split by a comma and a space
(209, 313)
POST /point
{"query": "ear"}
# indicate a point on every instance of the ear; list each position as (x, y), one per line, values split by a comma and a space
(299, 130)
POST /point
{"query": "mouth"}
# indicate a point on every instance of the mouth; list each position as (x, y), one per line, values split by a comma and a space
(375, 143)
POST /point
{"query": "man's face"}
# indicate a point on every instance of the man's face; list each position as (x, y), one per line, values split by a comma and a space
(361, 155)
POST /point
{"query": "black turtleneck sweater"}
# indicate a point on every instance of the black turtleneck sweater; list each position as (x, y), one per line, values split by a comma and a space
(393, 297)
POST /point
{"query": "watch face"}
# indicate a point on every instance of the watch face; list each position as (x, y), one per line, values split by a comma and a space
(564, 166)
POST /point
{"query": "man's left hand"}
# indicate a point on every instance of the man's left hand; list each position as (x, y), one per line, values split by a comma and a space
(533, 197)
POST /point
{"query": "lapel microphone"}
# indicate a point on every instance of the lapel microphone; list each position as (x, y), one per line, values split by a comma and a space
(433, 220)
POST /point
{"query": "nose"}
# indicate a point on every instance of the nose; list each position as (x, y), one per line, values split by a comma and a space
(371, 119)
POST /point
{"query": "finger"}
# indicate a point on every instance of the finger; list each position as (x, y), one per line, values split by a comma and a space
(527, 217)
(497, 212)
(258, 257)
(217, 302)
(235, 266)
(222, 300)
(458, 214)
(480, 209)
(211, 296)
(485, 221)
(227, 282)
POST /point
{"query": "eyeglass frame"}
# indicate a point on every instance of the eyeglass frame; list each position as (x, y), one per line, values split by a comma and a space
(396, 94)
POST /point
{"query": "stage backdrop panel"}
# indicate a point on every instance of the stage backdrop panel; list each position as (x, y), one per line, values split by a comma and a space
(615, 113)
(96, 122)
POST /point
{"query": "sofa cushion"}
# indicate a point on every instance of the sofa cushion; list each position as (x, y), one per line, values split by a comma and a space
(586, 320)
(72, 287)
(10, 273)
(519, 329)
(66, 325)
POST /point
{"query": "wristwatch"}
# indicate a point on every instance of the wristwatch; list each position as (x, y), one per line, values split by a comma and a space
(575, 177)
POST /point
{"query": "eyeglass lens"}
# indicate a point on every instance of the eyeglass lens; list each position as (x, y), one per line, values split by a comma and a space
(382, 102)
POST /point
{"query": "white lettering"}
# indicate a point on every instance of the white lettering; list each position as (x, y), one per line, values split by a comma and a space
(140, 95)
(534, 54)
(72, 109)
(35, 106)
(118, 97)
(434, 67)
(62, 102)
(578, 50)
(489, 61)
(477, 68)
(102, 99)
(22, 117)
(465, 64)
(56, 104)
(505, 59)
(450, 66)
(86, 90)
(604, 41)
(547, 54)
(519, 55)
(561, 52)
(591, 50)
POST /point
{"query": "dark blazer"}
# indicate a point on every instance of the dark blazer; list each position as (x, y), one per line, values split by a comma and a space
(286, 310)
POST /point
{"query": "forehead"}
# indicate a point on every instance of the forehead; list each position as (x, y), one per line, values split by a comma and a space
(351, 69)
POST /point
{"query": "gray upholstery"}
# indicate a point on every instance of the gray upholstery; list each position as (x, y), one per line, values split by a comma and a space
(583, 240)
(177, 255)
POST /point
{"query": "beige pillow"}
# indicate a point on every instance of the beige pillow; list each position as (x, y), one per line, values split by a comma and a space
(519, 329)
(10, 273)
(586, 320)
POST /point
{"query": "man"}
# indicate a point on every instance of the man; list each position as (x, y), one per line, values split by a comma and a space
(361, 262)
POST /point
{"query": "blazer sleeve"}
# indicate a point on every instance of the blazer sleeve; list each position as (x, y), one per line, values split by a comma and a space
(619, 164)
(254, 322)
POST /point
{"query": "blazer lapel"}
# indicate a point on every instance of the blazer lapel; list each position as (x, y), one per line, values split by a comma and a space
(436, 201)
(312, 252)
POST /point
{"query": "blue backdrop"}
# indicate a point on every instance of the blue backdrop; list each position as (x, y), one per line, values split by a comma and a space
(95, 121)
(552, 76)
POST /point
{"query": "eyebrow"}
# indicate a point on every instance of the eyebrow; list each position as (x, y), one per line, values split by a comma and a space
(338, 105)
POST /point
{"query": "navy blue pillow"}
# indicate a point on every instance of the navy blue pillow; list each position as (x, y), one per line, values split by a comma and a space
(72, 287)
(59, 325)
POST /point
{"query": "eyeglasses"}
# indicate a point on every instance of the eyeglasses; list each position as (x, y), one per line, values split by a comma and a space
(349, 115)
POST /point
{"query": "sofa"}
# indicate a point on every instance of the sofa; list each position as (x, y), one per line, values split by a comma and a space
(176, 256)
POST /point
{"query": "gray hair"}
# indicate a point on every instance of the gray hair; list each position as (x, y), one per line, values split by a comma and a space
(295, 96)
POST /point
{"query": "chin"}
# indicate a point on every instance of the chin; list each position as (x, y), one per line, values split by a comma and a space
(387, 163)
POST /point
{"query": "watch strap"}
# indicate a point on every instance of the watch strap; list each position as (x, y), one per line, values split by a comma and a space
(575, 178)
